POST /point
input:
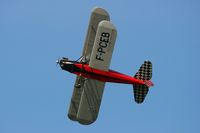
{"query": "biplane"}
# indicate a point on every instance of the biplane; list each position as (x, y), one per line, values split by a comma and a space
(92, 70)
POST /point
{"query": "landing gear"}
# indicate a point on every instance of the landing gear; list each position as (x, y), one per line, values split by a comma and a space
(80, 82)
(78, 85)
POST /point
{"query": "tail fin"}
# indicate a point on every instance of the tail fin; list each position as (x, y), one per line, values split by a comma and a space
(144, 73)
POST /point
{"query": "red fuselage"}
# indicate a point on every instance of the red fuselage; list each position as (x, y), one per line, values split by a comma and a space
(105, 76)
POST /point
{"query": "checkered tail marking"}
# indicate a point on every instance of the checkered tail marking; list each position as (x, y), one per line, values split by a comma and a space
(144, 73)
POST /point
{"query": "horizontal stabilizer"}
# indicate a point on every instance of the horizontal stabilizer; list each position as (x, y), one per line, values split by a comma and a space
(140, 92)
(144, 73)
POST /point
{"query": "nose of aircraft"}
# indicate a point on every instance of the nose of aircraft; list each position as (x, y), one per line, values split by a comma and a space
(57, 61)
(61, 61)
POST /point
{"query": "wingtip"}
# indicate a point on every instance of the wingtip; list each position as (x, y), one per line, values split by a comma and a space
(101, 11)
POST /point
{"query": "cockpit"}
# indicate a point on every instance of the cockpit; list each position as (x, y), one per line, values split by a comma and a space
(67, 65)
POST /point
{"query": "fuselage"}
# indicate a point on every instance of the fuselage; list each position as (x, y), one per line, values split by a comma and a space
(106, 76)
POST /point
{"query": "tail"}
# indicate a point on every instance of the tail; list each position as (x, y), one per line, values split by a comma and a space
(145, 74)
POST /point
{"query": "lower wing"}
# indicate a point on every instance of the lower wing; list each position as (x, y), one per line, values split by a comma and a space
(90, 101)
(76, 97)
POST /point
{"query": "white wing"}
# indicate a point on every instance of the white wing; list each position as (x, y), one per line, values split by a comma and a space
(100, 59)
(90, 101)
(98, 14)
(103, 46)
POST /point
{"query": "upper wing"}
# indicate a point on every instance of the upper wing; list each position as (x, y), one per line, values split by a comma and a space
(97, 15)
(100, 59)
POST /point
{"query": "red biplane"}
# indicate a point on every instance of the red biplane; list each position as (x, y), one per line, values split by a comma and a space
(92, 70)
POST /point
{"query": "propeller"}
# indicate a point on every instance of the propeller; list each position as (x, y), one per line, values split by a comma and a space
(58, 61)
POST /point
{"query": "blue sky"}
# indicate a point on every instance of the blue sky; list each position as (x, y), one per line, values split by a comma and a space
(35, 94)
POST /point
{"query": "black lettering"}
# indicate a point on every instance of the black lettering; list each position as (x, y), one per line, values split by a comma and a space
(99, 58)
(100, 49)
(103, 39)
(104, 45)
(105, 34)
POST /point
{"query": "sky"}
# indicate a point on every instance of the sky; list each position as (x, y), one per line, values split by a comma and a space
(35, 93)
